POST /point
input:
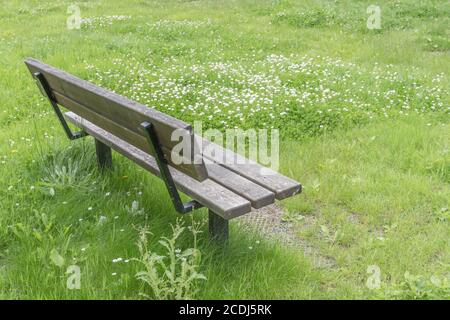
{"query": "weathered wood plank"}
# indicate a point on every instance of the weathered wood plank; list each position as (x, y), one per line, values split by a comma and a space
(257, 195)
(121, 132)
(282, 186)
(114, 107)
(209, 193)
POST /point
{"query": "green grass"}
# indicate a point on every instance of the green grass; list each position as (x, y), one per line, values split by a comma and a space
(364, 121)
(382, 194)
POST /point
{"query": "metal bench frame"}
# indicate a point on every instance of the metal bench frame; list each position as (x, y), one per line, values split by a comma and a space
(46, 91)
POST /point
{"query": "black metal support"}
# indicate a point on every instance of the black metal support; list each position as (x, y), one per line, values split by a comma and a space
(46, 91)
(161, 160)
(104, 156)
(218, 227)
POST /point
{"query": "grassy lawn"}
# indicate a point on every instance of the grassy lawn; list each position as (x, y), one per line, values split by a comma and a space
(364, 121)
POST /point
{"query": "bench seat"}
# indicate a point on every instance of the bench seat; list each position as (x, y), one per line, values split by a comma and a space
(229, 191)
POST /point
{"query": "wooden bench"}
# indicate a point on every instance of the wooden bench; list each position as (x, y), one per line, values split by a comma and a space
(143, 135)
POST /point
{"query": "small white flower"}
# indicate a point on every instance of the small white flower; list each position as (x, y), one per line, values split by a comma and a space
(102, 220)
(107, 194)
(90, 209)
(114, 273)
(117, 260)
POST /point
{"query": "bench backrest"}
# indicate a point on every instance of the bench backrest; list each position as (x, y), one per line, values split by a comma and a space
(120, 116)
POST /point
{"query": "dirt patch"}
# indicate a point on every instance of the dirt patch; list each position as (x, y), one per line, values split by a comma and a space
(270, 222)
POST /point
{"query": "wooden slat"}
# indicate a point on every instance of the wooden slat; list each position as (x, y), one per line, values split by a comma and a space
(212, 195)
(118, 131)
(108, 104)
(257, 195)
(282, 186)
(116, 108)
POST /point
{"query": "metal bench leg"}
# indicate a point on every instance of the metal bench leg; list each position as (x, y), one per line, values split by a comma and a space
(218, 227)
(163, 166)
(104, 157)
